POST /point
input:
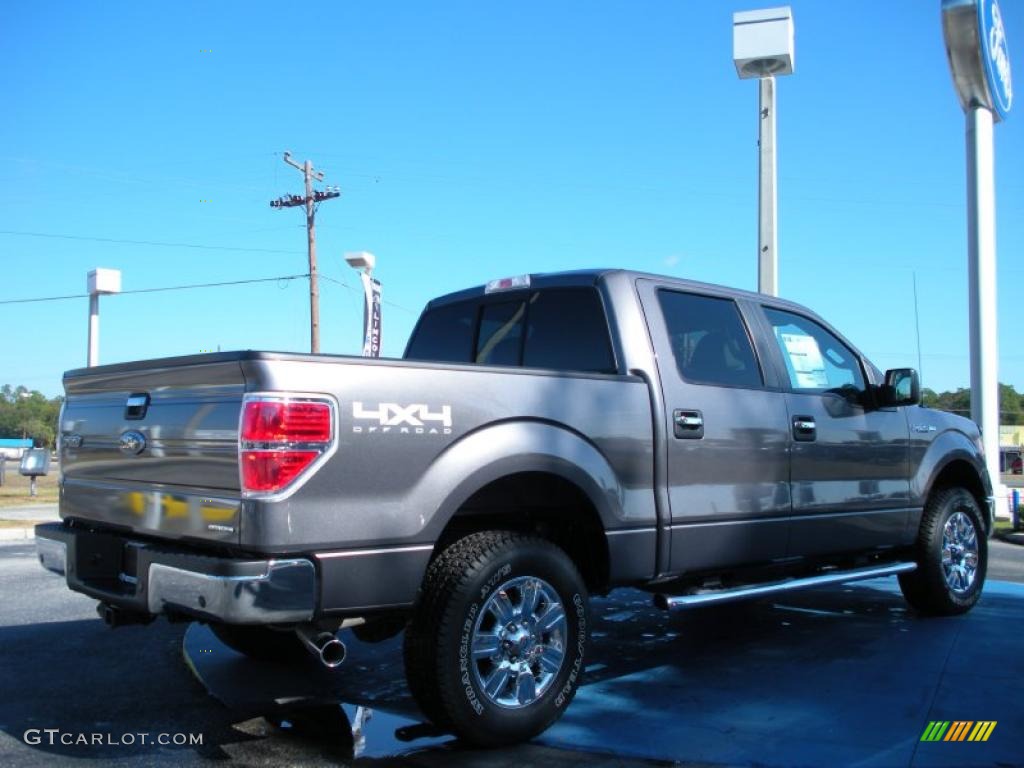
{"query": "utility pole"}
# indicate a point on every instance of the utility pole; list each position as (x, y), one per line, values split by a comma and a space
(311, 198)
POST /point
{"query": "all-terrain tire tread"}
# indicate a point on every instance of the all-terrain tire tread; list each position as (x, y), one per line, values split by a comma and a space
(925, 588)
(447, 575)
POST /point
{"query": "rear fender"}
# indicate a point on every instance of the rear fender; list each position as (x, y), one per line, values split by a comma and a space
(523, 446)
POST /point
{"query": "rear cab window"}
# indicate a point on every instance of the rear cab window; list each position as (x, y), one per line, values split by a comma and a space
(445, 334)
(556, 328)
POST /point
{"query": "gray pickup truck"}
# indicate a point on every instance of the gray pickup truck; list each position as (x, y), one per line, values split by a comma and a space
(544, 438)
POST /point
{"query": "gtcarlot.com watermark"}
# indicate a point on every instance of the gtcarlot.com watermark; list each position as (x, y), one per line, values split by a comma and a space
(55, 736)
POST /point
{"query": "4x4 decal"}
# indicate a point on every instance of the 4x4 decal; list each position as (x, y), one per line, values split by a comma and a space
(415, 419)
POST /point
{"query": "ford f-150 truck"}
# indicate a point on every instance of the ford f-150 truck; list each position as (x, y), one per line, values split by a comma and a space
(544, 438)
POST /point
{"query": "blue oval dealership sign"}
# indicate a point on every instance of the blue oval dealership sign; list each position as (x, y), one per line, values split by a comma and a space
(995, 55)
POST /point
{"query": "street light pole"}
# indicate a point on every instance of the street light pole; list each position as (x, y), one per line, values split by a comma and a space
(93, 355)
(98, 281)
(762, 47)
(767, 199)
(365, 261)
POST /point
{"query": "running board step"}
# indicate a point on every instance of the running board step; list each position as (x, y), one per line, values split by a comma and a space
(670, 602)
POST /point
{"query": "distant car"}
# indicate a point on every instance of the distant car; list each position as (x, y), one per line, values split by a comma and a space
(1011, 461)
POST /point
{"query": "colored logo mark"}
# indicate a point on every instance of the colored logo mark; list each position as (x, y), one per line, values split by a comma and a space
(958, 730)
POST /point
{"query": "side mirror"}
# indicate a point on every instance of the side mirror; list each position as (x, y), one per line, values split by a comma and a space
(902, 387)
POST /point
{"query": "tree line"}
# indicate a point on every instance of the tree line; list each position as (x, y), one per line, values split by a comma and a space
(25, 413)
(1011, 403)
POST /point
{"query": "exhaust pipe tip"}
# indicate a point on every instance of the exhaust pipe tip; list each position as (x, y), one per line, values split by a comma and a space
(333, 653)
(324, 645)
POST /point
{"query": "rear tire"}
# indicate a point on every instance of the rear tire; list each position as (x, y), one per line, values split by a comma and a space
(261, 643)
(495, 648)
(952, 556)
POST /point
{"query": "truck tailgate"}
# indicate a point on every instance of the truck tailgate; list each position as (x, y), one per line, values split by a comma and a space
(152, 446)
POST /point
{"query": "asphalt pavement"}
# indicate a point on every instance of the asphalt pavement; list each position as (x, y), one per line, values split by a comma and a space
(835, 676)
(62, 668)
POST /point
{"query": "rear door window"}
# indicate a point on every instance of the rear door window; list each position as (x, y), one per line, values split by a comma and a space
(710, 343)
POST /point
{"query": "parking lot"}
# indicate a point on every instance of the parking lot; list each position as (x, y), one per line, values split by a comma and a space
(834, 676)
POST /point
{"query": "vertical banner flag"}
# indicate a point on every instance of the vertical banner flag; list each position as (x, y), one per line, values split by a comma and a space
(371, 316)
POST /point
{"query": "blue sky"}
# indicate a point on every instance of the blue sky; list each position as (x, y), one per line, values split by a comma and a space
(474, 140)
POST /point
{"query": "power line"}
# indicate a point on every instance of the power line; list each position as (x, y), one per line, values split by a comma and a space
(146, 242)
(167, 288)
(356, 290)
(205, 285)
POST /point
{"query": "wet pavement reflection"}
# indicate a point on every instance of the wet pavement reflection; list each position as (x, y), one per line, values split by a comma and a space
(832, 676)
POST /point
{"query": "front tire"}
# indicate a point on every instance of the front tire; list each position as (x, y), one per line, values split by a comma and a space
(495, 648)
(952, 556)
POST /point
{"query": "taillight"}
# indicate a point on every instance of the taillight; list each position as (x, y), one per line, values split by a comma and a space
(283, 421)
(281, 437)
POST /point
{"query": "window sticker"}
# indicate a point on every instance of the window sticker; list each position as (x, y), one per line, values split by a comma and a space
(805, 357)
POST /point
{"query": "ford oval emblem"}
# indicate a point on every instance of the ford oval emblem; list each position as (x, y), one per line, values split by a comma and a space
(996, 55)
(132, 443)
(73, 441)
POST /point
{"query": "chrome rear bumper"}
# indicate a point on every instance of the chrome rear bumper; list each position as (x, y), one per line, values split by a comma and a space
(156, 579)
(283, 594)
(53, 555)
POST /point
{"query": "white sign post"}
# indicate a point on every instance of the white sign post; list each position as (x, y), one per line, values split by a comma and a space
(980, 63)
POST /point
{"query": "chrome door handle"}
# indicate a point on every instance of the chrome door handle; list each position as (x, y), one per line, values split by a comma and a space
(804, 428)
(688, 425)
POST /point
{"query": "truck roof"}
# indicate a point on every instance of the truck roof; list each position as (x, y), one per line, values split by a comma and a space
(588, 277)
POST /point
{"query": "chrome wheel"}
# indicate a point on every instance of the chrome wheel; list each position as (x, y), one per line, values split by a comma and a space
(519, 642)
(959, 552)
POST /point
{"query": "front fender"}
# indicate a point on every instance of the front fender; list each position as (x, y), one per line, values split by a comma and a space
(947, 447)
(509, 448)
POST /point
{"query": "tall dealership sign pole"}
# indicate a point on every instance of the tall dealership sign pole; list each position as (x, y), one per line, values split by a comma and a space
(980, 62)
(762, 47)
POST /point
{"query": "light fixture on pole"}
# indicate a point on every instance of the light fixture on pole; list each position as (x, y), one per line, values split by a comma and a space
(365, 262)
(99, 281)
(980, 63)
(762, 47)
